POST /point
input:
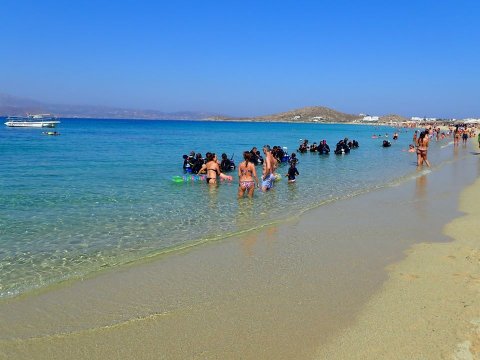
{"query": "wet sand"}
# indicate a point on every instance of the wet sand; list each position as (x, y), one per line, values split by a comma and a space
(312, 286)
(430, 306)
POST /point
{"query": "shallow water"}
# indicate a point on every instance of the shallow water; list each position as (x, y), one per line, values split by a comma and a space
(280, 292)
(101, 194)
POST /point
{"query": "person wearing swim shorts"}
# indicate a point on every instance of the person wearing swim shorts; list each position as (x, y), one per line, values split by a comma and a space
(268, 177)
(247, 176)
(465, 137)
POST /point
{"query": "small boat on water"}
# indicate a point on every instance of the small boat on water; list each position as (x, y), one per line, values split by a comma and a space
(37, 120)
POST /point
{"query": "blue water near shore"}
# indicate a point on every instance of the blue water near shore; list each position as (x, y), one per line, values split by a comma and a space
(101, 193)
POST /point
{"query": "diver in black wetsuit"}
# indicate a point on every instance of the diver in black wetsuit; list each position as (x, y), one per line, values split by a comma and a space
(257, 158)
(198, 163)
(227, 164)
(303, 146)
(188, 162)
(323, 148)
(342, 148)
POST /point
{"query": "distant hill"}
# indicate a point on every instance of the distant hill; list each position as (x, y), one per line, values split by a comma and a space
(306, 114)
(13, 105)
(392, 118)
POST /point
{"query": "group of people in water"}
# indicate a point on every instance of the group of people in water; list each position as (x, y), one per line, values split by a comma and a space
(421, 140)
(463, 133)
(214, 169)
(343, 147)
(420, 144)
(195, 163)
(247, 174)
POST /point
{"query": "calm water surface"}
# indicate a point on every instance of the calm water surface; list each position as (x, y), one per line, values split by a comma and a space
(101, 193)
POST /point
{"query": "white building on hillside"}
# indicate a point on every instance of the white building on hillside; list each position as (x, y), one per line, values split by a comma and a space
(471, 121)
(422, 119)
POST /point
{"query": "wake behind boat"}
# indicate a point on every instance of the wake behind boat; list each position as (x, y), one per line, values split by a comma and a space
(37, 120)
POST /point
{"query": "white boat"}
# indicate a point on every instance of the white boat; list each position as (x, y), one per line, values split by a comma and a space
(37, 120)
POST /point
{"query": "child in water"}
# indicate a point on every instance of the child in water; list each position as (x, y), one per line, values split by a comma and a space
(292, 172)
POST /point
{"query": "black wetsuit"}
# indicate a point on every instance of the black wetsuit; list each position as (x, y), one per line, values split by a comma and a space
(227, 165)
(292, 172)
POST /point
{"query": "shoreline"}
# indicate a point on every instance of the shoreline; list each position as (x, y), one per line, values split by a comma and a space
(187, 247)
(121, 262)
(281, 291)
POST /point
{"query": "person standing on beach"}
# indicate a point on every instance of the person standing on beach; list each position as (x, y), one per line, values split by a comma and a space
(479, 139)
(464, 138)
(456, 136)
(247, 176)
(267, 176)
(422, 148)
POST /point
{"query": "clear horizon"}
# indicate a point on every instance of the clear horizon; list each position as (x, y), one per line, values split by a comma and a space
(375, 57)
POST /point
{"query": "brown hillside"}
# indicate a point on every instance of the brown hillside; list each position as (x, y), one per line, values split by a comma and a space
(392, 118)
(308, 114)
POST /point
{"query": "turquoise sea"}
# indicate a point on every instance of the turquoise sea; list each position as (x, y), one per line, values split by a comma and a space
(101, 194)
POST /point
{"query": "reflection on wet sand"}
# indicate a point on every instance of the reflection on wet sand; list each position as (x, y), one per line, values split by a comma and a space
(245, 213)
(420, 196)
(421, 187)
(248, 244)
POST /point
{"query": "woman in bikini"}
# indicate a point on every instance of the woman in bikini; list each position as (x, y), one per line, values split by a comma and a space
(456, 136)
(212, 169)
(247, 176)
(422, 148)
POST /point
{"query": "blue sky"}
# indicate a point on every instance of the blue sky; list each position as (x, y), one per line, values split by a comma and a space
(246, 57)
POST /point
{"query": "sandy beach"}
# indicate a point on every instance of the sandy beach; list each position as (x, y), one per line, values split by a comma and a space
(377, 276)
(429, 307)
